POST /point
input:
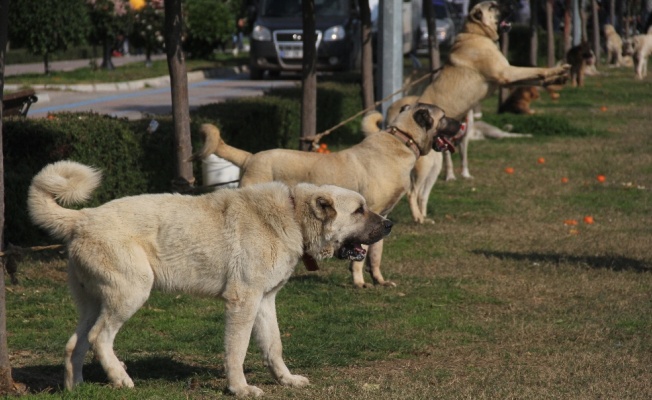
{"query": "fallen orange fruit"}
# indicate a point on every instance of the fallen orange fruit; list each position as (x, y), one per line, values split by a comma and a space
(541, 160)
(571, 222)
(509, 170)
(564, 180)
(588, 220)
(601, 178)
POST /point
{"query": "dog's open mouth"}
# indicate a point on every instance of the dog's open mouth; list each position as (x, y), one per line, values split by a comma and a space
(504, 26)
(443, 144)
(351, 251)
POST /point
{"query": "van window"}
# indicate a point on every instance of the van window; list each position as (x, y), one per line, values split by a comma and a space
(292, 8)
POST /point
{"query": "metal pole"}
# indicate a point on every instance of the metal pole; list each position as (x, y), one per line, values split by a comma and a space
(390, 49)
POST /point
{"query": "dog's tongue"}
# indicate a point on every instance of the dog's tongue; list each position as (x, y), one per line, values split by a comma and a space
(357, 253)
(310, 263)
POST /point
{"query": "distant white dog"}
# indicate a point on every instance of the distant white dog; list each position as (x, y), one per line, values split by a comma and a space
(640, 48)
(614, 45)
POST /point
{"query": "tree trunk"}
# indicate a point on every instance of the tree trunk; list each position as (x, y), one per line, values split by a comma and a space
(612, 14)
(583, 18)
(550, 4)
(567, 28)
(309, 76)
(433, 43)
(596, 31)
(503, 93)
(6, 382)
(534, 32)
(46, 63)
(107, 63)
(179, 88)
(367, 62)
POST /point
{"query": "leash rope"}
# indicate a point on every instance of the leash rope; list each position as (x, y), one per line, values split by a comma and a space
(316, 138)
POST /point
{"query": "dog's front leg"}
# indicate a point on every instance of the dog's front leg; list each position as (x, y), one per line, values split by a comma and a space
(241, 310)
(464, 145)
(374, 256)
(268, 337)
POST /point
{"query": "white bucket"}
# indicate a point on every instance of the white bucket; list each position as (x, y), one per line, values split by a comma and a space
(216, 170)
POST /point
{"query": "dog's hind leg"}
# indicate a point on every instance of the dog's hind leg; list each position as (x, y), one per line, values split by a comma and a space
(374, 256)
(268, 337)
(123, 286)
(78, 345)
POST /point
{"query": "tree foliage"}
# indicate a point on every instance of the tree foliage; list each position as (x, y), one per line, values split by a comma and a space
(47, 26)
(210, 23)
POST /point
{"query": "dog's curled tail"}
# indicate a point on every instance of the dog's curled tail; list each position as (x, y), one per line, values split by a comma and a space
(372, 122)
(64, 182)
(213, 144)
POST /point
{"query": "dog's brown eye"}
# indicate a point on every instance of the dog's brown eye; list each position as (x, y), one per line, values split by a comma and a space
(360, 210)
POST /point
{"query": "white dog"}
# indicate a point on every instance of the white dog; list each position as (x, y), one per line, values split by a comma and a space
(240, 245)
(640, 48)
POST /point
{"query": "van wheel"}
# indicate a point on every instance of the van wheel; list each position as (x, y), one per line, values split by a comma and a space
(256, 74)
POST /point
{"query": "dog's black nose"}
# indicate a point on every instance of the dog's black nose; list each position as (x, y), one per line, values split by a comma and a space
(388, 226)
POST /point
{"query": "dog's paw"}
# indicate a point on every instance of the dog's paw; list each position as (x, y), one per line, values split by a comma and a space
(246, 391)
(294, 381)
(125, 382)
(387, 284)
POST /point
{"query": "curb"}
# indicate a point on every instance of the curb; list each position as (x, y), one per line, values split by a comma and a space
(160, 81)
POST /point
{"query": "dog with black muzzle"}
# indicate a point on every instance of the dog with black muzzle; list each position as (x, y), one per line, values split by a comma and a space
(475, 69)
(378, 167)
(238, 245)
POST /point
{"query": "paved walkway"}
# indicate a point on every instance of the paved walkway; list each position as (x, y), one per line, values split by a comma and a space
(138, 99)
(70, 65)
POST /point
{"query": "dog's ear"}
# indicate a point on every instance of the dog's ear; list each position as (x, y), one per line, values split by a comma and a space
(323, 207)
(423, 119)
(477, 15)
(448, 126)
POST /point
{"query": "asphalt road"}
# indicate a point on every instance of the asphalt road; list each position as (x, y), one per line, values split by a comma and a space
(135, 104)
(151, 98)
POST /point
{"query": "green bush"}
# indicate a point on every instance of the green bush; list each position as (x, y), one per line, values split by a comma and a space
(255, 123)
(30, 144)
(341, 102)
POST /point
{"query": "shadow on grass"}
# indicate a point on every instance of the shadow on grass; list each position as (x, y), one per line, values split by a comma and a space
(615, 263)
(49, 378)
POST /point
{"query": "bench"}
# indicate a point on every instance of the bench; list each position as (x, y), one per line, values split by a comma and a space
(18, 103)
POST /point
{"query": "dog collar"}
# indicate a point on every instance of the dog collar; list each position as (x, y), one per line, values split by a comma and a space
(407, 140)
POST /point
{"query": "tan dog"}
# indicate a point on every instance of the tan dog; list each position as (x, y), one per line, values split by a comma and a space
(240, 245)
(640, 48)
(474, 70)
(519, 100)
(614, 45)
(378, 167)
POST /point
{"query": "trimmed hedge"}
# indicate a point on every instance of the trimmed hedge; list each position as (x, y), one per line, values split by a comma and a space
(134, 161)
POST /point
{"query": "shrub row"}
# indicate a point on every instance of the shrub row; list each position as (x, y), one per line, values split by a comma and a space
(135, 161)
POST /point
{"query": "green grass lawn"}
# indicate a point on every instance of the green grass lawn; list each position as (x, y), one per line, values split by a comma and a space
(498, 299)
(127, 72)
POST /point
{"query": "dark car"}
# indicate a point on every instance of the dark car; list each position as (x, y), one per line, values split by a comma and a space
(445, 30)
(277, 36)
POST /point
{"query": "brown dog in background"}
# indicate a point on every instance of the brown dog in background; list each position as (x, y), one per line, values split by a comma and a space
(580, 58)
(519, 100)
